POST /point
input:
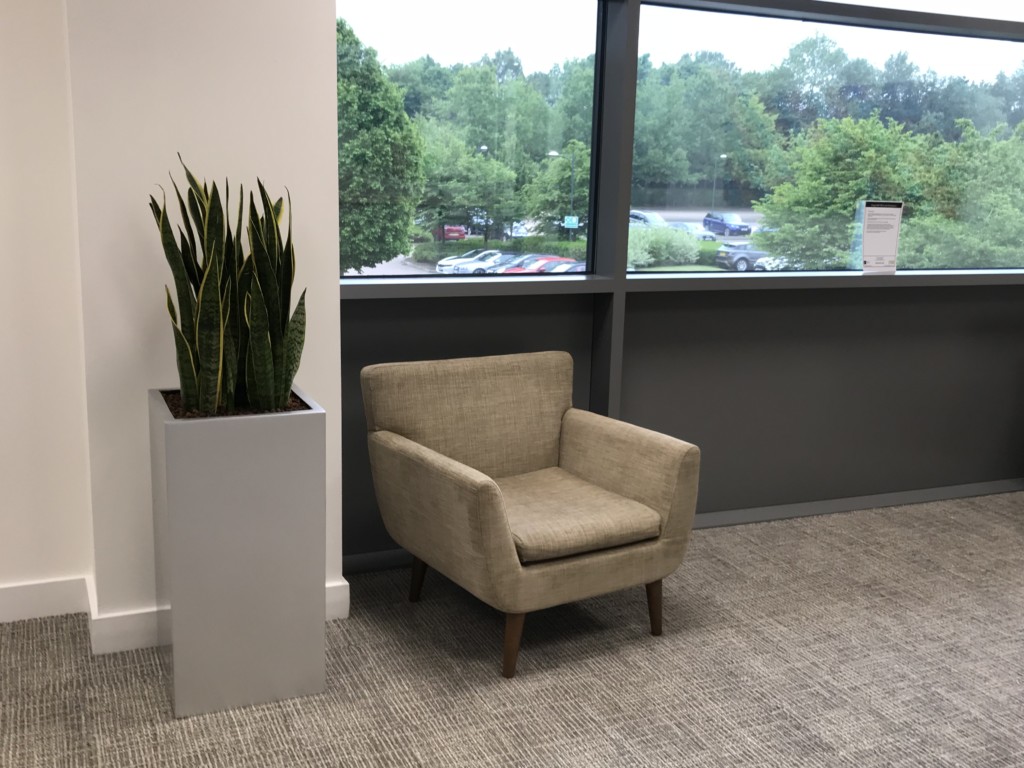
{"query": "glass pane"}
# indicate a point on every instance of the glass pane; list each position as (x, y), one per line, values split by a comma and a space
(464, 136)
(756, 139)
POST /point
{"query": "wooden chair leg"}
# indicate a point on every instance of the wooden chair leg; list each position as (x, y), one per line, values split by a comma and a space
(419, 570)
(654, 605)
(513, 637)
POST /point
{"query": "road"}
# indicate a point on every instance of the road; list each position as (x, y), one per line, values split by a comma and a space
(400, 265)
(697, 214)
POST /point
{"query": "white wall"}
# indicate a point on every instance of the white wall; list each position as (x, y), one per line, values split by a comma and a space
(239, 88)
(45, 526)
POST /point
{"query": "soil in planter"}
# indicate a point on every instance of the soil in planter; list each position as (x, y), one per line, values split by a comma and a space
(173, 400)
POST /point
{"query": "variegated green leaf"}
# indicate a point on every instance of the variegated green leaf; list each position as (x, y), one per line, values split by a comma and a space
(175, 259)
(295, 339)
(209, 334)
(191, 262)
(260, 360)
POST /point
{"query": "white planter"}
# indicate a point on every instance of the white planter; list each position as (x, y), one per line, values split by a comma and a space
(239, 509)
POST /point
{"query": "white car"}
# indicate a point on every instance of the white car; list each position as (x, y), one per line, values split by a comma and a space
(646, 219)
(446, 266)
(486, 262)
(695, 229)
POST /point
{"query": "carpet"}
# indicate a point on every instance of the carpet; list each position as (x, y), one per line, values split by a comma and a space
(885, 637)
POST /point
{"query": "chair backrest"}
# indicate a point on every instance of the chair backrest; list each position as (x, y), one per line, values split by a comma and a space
(500, 414)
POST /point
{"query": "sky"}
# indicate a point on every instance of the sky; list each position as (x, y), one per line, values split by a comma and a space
(547, 32)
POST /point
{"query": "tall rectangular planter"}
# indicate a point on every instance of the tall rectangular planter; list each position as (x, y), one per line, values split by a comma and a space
(239, 509)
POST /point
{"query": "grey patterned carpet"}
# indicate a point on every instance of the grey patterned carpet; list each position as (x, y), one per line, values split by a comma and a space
(889, 637)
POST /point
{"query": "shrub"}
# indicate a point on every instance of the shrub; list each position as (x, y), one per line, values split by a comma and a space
(649, 246)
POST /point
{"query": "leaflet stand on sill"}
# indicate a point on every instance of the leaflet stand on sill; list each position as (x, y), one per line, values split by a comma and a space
(879, 231)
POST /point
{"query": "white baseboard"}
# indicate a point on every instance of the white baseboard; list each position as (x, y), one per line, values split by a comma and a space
(36, 599)
(337, 599)
(117, 631)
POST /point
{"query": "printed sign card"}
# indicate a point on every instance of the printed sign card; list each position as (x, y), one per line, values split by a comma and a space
(880, 235)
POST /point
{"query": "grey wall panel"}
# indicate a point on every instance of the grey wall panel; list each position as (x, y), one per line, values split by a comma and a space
(798, 396)
(424, 329)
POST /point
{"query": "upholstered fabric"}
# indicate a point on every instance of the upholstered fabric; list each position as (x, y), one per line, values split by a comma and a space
(450, 473)
(501, 414)
(552, 513)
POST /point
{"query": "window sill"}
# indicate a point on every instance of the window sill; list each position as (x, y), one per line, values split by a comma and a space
(363, 288)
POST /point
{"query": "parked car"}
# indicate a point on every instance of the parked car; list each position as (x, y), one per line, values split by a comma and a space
(518, 261)
(446, 266)
(771, 264)
(532, 264)
(551, 264)
(695, 229)
(646, 219)
(567, 266)
(488, 261)
(451, 232)
(726, 224)
(740, 256)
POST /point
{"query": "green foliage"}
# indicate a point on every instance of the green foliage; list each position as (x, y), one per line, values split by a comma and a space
(235, 344)
(980, 225)
(833, 166)
(380, 176)
(561, 188)
(649, 246)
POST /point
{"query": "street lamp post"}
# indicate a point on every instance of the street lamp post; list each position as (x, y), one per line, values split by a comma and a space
(714, 180)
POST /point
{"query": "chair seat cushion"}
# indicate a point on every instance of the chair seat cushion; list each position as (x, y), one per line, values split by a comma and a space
(553, 513)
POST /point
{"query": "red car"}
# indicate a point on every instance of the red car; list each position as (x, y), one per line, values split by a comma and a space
(451, 232)
(533, 265)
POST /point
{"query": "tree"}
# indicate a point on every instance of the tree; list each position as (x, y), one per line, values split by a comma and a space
(424, 84)
(979, 226)
(379, 159)
(809, 218)
(561, 188)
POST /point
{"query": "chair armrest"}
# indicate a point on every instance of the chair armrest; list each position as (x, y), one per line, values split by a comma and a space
(444, 512)
(650, 467)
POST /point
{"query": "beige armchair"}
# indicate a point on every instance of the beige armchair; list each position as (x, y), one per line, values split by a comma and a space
(485, 472)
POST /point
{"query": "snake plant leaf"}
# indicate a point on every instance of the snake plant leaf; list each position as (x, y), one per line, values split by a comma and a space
(265, 272)
(200, 191)
(188, 257)
(271, 232)
(175, 259)
(191, 263)
(209, 334)
(243, 289)
(170, 306)
(295, 338)
(185, 361)
(213, 231)
(230, 353)
(198, 211)
(260, 360)
(286, 268)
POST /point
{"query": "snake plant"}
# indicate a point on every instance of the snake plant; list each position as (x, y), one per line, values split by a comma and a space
(236, 346)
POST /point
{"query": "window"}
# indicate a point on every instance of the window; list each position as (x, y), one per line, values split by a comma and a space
(766, 133)
(464, 136)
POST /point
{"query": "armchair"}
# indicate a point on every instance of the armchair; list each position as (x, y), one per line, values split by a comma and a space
(485, 472)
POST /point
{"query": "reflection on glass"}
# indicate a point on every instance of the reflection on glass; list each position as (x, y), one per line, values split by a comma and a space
(755, 140)
(463, 146)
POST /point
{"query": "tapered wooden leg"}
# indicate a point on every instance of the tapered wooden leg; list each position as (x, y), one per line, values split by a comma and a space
(513, 636)
(419, 570)
(654, 605)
